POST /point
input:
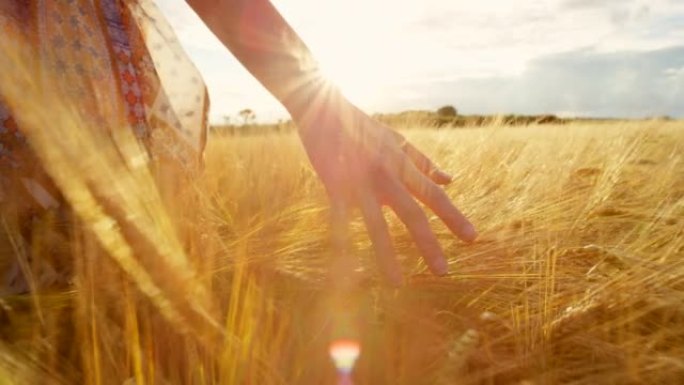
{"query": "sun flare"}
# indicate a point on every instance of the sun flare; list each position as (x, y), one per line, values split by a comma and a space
(355, 83)
(362, 60)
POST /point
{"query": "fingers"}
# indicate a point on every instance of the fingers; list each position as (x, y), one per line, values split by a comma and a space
(417, 224)
(379, 235)
(438, 201)
(421, 161)
(425, 165)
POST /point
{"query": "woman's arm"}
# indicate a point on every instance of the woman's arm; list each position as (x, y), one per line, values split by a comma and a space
(259, 37)
(361, 162)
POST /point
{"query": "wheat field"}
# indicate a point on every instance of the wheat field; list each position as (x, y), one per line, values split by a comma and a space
(577, 276)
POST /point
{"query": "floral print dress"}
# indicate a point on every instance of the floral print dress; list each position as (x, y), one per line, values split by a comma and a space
(118, 54)
(119, 64)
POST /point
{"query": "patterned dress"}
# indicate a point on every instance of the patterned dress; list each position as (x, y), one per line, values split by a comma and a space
(115, 68)
(120, 64)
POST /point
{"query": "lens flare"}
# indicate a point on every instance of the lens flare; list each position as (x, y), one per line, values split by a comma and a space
(344, 353)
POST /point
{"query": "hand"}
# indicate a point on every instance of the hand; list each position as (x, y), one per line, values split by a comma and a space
(365, 164)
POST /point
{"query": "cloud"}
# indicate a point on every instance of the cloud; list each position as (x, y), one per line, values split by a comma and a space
(582, 4)
(630, 17)
(582, 82)
(486, 56)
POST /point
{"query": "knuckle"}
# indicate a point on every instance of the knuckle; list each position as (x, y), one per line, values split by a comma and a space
(438, 196)
(415, 216)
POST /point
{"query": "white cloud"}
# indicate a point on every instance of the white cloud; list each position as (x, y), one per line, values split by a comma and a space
(581, 83)
(390, 48)
(675, 74)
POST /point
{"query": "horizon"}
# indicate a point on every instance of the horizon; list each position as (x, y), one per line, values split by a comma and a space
(236, 123)
(578, 58)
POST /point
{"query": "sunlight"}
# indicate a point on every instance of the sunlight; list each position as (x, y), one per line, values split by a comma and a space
(354, 82)
(344, 353)
(351, 59)
(360, 58)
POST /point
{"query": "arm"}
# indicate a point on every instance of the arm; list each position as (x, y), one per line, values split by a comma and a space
(259, 37)
(361, 162)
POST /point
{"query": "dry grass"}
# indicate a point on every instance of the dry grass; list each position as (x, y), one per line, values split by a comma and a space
(577, 271)
(577, 276)
(222, 278)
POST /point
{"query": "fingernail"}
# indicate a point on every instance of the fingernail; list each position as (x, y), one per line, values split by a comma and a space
(469, 233)
(444, 176)
(441, 267)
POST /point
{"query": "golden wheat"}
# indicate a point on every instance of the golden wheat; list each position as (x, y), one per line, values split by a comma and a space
(577, 277)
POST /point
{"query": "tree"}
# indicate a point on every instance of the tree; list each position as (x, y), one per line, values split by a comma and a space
(447, 111)
(248, 116)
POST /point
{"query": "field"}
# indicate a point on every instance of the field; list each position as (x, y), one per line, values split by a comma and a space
(577, 276)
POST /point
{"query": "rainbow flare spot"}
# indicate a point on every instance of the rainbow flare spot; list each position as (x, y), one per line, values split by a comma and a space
(344, 353)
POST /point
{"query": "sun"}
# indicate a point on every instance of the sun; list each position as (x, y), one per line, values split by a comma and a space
(352, 52)
(354, 81)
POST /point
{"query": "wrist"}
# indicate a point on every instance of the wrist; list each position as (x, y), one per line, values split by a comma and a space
(315, 96)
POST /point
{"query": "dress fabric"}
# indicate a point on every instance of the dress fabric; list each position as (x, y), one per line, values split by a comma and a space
(120, 64)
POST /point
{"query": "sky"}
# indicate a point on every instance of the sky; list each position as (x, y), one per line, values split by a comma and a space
(601, 58)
